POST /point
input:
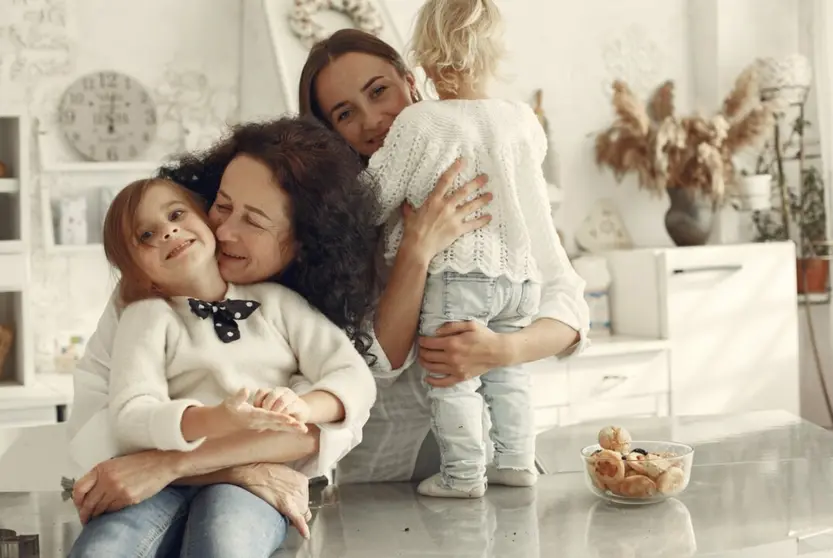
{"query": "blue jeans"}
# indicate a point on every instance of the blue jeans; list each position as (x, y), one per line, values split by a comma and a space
(220, 520)
(504, 307)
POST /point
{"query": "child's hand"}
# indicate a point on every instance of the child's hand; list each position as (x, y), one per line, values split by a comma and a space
(283, 400)
(242, 415)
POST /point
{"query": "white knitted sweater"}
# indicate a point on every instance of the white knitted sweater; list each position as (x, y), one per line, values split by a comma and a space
(500, 138)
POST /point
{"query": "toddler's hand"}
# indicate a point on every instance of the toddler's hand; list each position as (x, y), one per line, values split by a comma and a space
(242, 415)
(283, 400)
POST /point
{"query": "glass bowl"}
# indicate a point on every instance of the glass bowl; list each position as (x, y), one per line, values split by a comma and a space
(651, 472)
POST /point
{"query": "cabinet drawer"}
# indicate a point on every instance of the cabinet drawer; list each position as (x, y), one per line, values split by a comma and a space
(616, 377)
(28, 416)
(550, 386)
(547, 418)
(645, 406)
(12, 271)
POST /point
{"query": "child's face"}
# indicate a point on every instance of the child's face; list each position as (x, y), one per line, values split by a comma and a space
(171, 240)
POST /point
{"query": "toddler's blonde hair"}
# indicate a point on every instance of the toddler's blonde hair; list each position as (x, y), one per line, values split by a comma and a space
(459, 41)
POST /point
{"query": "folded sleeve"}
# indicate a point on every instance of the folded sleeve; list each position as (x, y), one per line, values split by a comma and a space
(141, 411)
(329, 362)
(562, 291)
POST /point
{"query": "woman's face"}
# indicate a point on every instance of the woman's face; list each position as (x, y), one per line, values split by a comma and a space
(252, 221)
(361, 94)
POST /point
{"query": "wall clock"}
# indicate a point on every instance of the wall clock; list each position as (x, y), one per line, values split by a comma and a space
(108, 116)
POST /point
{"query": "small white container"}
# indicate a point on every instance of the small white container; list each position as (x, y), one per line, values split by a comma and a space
(755, 192)
(593, 269)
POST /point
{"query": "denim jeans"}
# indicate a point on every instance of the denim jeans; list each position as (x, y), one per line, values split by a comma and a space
(219, 520)
(504, 307)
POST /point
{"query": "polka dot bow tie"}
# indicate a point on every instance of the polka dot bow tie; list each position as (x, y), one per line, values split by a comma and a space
(224, 315)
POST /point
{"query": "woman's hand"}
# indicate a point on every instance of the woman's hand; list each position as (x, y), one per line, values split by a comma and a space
(122, 481)
(281, 487)
(444, 216)
(462, 350)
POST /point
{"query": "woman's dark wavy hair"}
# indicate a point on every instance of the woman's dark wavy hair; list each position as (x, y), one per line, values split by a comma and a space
(333, 210)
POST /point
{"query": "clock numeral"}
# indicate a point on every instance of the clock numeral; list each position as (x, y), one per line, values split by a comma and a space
(108, 80)
(145, 98)
(128, 83)
(146, 137)
(150, 117)
(89, 83)
(67, 116)
(112, 154)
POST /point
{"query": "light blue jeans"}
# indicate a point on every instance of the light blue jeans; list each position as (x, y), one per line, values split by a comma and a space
(504, 307)
(220, 520)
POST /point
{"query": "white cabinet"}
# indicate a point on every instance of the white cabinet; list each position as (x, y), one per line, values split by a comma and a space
(617, 376)
(17, 369)
(730, 315)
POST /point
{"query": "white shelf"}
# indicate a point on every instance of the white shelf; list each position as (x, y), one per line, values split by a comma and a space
(9, 186)
(613, 345)
(102, 167)
(70, 249)
(47, 390)
(12, 246)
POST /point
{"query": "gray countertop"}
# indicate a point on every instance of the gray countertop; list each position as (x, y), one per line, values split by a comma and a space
(762, 486)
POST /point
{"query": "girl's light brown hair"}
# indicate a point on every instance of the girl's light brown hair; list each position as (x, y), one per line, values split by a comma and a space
(458, 41)
(342, 42)
(121, 242)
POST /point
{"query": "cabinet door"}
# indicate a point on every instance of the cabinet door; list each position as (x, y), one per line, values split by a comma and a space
(550, 390)
(594, 379)
(731, 317)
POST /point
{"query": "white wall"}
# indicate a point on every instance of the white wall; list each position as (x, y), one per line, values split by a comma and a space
(572, 50)
(185, 52)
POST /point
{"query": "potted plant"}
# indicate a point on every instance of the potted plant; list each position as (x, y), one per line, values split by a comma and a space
(690, 158)
(813, 250)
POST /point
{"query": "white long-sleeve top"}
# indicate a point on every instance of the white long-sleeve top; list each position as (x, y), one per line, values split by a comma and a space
(167, 358)
(499, 138)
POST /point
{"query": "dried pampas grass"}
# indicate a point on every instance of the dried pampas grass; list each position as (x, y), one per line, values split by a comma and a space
(665, 151)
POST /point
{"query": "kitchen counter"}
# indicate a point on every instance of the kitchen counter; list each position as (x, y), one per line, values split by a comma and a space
(762, 486)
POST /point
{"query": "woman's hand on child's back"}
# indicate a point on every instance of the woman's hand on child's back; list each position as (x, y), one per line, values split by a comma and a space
(283, 400)
(445, 216)
(238, 414)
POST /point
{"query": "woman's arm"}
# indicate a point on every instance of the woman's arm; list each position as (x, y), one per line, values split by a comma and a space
(428, 230)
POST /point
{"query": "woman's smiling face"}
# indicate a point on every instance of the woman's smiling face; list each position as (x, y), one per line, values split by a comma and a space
(361, 95)
(252, 220)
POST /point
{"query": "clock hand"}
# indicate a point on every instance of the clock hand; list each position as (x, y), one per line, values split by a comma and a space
(111, 127)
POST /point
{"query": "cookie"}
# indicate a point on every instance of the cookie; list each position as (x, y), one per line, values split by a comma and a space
(608, 466)
(615, 438)
(637, 486)
(671, 481)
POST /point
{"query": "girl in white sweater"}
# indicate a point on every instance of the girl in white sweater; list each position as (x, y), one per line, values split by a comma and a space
(190, 347)
(494, 273)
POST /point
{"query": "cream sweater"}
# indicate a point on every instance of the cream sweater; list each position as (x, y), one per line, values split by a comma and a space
(502, 139)
(166, 358)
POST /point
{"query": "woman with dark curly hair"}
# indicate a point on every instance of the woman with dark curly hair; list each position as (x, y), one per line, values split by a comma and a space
(287, 206)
